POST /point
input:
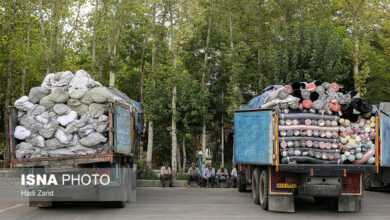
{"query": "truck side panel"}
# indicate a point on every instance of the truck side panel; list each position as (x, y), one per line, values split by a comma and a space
(123, 130)
(253, 137)
(385, 139)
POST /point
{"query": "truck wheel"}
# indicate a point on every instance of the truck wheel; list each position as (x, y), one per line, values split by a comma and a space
(241, 181)
(264, 189)
(255, 186)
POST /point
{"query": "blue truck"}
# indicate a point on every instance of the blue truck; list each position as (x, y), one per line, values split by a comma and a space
(274, 184)
(381, 179)
(118, 164)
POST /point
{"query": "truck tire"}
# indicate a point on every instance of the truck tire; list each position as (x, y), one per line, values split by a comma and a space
(264, 189)
(241, 181)
(255, 186)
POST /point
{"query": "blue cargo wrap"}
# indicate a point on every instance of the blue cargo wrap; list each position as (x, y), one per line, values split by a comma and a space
(253, 137)
(385, 139)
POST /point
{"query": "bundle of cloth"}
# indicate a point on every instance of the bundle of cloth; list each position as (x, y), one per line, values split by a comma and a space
(357, 140)
(309, 138)
(314, 97)
(320, 122)
(65, 116)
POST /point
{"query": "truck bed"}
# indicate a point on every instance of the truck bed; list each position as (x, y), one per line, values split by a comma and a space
(327, 169)
(62, 161)
(256, 143)
(122, 140)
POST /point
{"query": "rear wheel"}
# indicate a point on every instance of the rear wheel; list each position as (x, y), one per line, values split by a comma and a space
(255, 186)
(264, 189)
(241, 181)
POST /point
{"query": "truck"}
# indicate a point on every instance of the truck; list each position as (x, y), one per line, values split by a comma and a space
(119, 164)
(274, 184)
(372, 181)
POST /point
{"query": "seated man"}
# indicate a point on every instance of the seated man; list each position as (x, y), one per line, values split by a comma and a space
(233, 177)
(208, 175)
(166, 175)
(222, 176)
(193, 175)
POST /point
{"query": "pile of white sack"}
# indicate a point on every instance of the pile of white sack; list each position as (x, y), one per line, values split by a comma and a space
(65, 116)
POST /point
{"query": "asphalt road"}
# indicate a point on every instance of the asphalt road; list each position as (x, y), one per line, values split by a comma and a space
(194, 203)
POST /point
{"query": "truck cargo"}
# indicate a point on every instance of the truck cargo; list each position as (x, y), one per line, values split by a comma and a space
(98, 141)
(328, 165)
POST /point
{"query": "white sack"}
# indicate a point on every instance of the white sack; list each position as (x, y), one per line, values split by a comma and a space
(63, 137)
(60, 152)
(36, 110)
(36, 141)
(93, 139)
(81, 150)
(23, 103)
(82, 77)
(68, 118)
(54, 143)
(37, 93)
(48, 81)
(86, 130)
(86, 99)
(75, 126)
(57, 95)
(38, 153)
(102, 124)
(77, 91)
(21, 133)
(62, 78)
(48, 129)
(21, 113)
(96, 110)
(102, 148)
(101, 95)
(77, 106)
(23, 149)
(61, 109)
(30, 124)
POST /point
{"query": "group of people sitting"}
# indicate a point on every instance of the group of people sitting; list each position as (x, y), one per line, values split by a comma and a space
(208, 177)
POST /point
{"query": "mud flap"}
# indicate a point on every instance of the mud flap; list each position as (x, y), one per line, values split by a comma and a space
(281, 203)
(132, 190)
(349, 203)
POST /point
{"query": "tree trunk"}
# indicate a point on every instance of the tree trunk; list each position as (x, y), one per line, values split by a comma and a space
(23, 78)
(149, 153)
(203, 145)
(44, 37)
(174, 94)
(184, 155)
(10, 58)
(230, 29)
(100, 75)
(356, 48)
(142, 72)
(53, 36)
(206, 50)
(150, 127)
(94, 39)
(179, 160)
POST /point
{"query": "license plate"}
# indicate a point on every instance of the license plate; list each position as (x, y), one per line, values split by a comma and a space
(286, 185)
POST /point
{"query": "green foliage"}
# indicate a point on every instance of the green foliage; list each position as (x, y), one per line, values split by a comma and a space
(182, 176)
(267, 42)
(143, 172)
